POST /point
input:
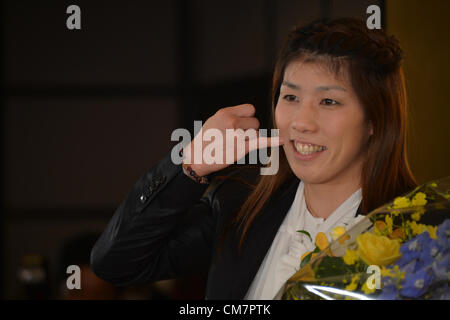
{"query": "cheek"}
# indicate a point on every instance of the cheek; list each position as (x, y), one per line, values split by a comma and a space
(282, 117)
(348, 135)
(345, 143)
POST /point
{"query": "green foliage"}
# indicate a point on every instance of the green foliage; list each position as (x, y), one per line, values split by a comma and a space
(306, 233)
(335, 266)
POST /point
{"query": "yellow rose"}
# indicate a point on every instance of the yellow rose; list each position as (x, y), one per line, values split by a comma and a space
(377, 250)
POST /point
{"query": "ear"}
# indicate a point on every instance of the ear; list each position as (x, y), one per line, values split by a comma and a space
(370, 128)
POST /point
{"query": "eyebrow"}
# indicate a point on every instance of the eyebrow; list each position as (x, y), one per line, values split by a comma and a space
(321, 88)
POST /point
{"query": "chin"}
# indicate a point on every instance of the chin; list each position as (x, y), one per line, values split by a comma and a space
(307, 176)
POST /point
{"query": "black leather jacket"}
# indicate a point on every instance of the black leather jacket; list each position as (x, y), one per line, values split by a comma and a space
(169, 226)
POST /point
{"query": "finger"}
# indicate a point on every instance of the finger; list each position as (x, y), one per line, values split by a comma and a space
(260, 143)
(243, 110)
(247, 123)
(247, 146)
(244, 142)
(269, 142)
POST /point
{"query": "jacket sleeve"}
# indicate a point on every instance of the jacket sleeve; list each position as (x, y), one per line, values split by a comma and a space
(164, 229)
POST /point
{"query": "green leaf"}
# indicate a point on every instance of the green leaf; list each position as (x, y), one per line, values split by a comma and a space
(333, 266)
(305, 260)
(307, 233)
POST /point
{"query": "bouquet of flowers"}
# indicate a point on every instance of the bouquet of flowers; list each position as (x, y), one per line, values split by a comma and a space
(399, 251)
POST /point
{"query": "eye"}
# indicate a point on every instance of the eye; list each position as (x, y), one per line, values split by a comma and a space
(290, 98)
(329, 102)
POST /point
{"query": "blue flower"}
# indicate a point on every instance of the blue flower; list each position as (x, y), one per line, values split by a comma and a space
(389, 292)
(390, 289)
(412, 249)
(443, 234)
(387, 282)
(431, 251)
(411, 267)
(440, 268)
(416, 284)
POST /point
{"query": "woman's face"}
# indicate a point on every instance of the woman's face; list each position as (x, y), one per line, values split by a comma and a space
(322, 123)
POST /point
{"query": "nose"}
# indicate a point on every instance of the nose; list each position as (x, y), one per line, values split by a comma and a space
(305, 118)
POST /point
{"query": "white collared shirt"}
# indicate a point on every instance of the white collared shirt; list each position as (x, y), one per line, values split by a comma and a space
(283, 258)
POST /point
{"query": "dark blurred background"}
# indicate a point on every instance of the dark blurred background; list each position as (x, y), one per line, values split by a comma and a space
(87, 112)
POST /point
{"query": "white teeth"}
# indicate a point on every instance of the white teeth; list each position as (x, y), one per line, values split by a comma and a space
(307, 149)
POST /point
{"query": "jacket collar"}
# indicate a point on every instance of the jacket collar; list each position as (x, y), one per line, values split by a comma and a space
(260, 237)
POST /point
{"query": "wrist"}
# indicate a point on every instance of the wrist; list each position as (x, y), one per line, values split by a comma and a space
(193, 171)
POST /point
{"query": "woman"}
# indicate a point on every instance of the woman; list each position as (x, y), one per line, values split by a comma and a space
(338, 99)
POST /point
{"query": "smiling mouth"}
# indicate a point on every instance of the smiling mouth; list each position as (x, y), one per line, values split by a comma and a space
(308, 148)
